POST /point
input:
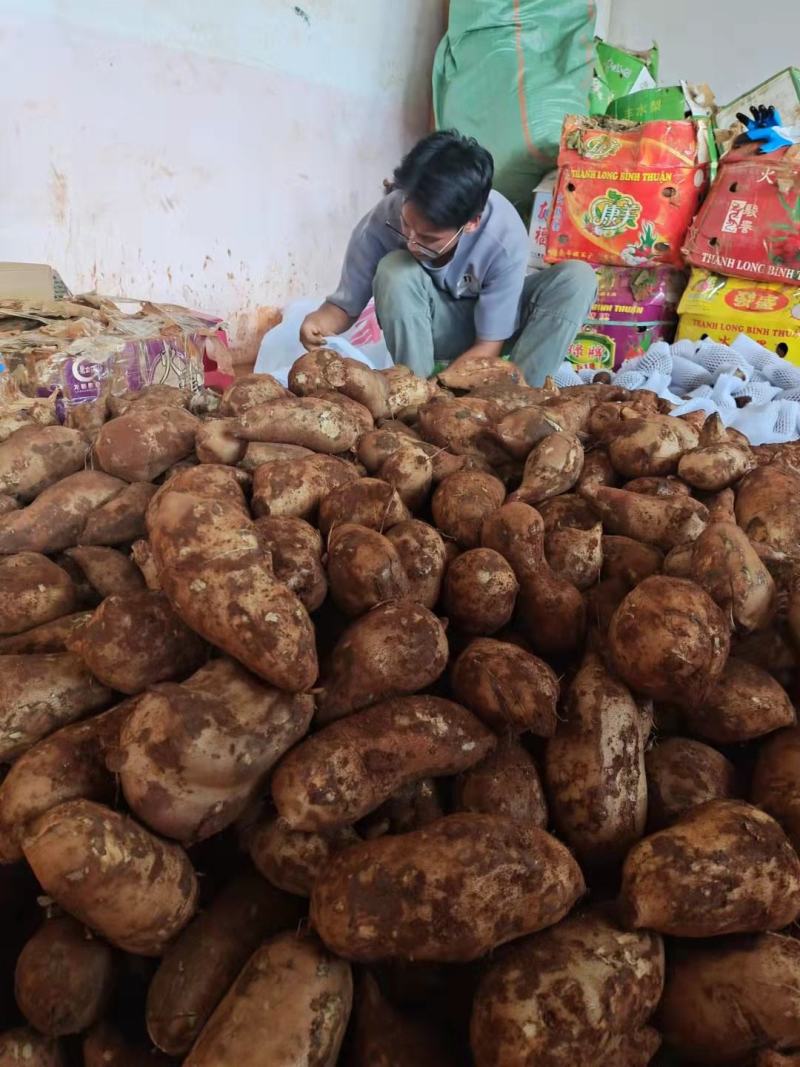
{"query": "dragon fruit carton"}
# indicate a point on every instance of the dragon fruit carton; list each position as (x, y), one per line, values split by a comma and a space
(626, 193)
(749, 226)
(635, 307)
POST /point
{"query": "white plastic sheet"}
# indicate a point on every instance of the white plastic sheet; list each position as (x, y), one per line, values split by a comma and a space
(281, 345)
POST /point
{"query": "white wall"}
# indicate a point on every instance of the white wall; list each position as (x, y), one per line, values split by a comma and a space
(603, 17)
(217, 153)
(731, 44)
(214, 153)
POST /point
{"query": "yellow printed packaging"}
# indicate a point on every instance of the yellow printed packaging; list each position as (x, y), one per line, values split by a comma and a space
(721, 308)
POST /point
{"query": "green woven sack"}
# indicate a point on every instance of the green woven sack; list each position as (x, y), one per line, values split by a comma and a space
(507, 72)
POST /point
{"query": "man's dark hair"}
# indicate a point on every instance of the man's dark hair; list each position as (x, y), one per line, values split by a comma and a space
(448, 177)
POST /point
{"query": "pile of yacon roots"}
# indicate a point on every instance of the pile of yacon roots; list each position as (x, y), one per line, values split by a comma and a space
(397, 723)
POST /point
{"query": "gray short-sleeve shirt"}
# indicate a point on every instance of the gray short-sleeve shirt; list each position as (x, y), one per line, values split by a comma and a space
(488, 266)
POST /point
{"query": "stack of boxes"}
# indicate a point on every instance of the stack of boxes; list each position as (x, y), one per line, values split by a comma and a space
(744, 247)
(626, 199)
(85, 349)
(635, 306)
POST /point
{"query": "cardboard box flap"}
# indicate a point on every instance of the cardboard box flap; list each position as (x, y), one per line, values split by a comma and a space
(45, 310)
(31, 281)
(782, 91)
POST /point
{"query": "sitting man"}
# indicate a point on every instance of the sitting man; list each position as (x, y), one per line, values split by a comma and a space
(446, 258)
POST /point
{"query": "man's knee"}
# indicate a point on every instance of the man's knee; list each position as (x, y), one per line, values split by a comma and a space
(397, 272)
(570, 286)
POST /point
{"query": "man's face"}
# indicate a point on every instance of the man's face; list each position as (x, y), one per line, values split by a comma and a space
(427, 242)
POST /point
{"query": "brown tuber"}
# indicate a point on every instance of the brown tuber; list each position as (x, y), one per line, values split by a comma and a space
(668, 640)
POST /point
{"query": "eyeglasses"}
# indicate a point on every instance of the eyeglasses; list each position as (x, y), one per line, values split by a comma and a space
(427, 253)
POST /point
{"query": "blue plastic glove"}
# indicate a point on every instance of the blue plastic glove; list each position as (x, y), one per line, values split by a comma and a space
(774, 137)
(765, 126)
(763, 117)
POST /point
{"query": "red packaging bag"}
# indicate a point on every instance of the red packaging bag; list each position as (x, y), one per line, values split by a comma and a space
(749, 227)
(626, 192)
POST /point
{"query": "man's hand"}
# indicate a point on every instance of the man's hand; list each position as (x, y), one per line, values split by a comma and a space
(476, 365)
(481, 350)
(312, 332)
(325, 321)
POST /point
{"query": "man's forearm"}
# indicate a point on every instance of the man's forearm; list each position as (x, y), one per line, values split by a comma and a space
(333, 319)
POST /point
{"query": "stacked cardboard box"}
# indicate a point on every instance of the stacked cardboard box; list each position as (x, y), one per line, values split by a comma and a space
(625, 196)
(745, 242)
(85, 349)
(635, 307)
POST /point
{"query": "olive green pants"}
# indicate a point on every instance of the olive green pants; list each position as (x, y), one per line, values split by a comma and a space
(423, 325)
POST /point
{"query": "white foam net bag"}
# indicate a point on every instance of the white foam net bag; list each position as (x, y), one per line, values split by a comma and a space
(760, 392)
(719, 359)
(710, 377)
(688, 375)
(566, 375)
(772, 423)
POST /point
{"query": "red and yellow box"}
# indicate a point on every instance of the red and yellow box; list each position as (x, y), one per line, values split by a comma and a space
(626, 193)
(722, 308)
(749, 226)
